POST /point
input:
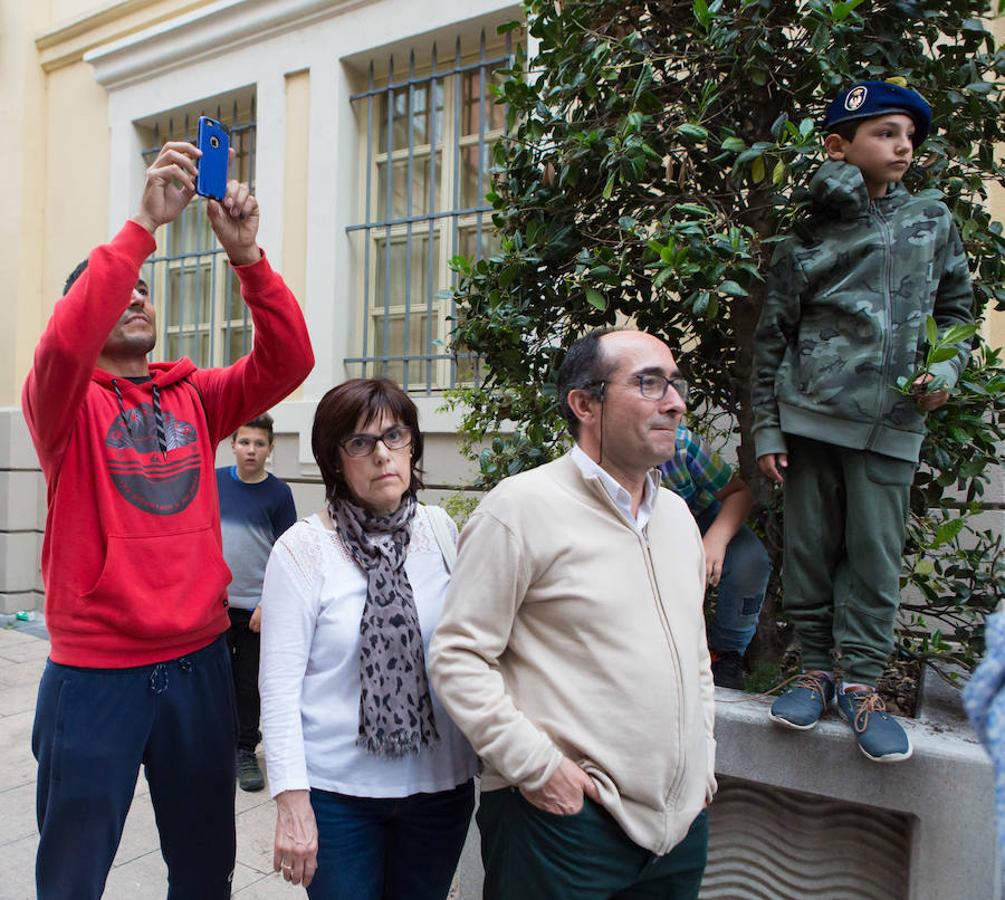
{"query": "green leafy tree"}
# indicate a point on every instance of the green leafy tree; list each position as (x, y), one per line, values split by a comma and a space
(654, 152)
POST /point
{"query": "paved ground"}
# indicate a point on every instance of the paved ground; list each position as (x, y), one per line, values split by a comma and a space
(139, 872)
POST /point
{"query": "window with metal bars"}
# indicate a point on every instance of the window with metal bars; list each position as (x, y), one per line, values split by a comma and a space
(197, 296)
(426, 142)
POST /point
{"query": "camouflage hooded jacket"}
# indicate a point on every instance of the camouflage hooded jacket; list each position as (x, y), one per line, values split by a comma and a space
(844, 317)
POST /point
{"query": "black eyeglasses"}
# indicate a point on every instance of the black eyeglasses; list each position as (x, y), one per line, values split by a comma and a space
(394, 438)
(654, 387)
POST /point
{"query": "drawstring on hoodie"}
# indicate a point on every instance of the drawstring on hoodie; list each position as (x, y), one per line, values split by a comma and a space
(158, 416)
(159, 423)
(122, 406)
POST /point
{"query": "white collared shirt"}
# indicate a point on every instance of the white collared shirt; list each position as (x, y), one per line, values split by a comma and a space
(622, 499)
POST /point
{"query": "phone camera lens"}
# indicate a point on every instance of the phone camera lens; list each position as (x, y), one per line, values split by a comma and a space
(214, 142)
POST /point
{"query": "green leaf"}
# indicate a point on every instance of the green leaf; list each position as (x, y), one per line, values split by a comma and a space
(692, 132)
(753, 152)
(757, 170)
(609, 187)
(942, 354)
(733, 289)
(734, 144)
(662, 276)
(958, 333)
(924, 567)
(693, 209)
(778, 173)
(980, 87)
(701, 13)
(841, 11)
(949, 530)
(931, 330)
(595, 298)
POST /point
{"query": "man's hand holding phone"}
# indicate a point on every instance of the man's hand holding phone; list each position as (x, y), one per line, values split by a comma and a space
(235, 223)
(169, 186)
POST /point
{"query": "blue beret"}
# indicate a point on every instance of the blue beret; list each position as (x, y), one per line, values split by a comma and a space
(869, 99)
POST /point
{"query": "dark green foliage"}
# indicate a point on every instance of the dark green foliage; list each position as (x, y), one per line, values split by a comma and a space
(655, 150)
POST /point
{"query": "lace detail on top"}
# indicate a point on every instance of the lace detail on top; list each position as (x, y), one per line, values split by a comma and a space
(305, 545)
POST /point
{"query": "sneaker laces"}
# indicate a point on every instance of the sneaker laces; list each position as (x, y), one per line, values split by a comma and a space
(813, 680)
(865, 702)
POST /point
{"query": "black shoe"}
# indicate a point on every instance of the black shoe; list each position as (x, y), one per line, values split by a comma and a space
(727, 669)
(249, 776)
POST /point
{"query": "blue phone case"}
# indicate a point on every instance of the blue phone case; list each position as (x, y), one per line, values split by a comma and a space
(214, 142)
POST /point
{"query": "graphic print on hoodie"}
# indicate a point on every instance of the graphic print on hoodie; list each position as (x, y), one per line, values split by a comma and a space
(138, 461)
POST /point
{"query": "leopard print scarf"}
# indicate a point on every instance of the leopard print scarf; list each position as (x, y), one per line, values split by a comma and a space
(395, 710)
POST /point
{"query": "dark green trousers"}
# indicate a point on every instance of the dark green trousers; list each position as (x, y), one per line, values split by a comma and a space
(530, 854)
(845, 512)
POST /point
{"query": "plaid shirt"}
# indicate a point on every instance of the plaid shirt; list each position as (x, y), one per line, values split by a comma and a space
(696, 473)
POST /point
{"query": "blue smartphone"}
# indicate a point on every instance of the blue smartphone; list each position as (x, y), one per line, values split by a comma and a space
(214, 142)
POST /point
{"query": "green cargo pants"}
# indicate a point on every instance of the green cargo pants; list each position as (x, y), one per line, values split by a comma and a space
(845, 514)
(530, 854)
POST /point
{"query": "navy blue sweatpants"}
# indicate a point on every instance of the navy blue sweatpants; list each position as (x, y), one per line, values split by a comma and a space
(93, 729)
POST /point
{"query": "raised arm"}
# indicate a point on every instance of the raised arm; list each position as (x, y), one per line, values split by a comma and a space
(281, 356)
(82, 320)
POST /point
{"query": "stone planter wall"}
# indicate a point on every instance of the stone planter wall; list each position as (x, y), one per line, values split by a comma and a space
(805, 816)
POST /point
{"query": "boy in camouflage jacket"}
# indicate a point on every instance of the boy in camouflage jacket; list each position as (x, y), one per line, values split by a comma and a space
(843, 318)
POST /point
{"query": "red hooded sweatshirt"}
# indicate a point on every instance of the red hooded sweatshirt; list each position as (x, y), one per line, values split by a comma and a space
(132, 560)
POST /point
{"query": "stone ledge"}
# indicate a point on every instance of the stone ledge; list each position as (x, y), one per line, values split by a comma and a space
(947, 787)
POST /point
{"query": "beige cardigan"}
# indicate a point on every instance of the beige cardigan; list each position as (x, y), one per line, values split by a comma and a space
(566, 632)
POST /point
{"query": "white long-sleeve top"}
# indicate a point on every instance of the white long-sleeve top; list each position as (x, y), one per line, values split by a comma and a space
(312, 602)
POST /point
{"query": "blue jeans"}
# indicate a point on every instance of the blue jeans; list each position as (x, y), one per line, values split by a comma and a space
(740, 595)
(395, 848)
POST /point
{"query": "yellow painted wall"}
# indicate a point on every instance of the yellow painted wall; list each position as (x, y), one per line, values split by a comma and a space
(297, 141)
(55, 190)
(22, 110)
(76, 196)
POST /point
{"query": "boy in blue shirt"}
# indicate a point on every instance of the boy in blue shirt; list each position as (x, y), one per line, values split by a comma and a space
(255, 509)
(843, 318)
(735, 559)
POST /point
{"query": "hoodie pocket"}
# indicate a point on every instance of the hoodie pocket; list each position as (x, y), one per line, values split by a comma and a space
(155, 586)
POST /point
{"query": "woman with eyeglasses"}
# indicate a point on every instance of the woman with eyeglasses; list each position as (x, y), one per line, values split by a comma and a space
(372, 781)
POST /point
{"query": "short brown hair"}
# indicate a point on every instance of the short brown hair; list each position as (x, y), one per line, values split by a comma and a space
(336, 418)
(265, 422)
(847, 129)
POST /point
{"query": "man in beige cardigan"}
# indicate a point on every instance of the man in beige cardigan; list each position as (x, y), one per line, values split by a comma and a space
(572, 649)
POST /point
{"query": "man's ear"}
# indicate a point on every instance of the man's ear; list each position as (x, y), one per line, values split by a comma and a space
(583, 404)
(835, 145)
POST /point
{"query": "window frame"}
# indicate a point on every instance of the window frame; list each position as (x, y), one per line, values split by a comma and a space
(439, 227)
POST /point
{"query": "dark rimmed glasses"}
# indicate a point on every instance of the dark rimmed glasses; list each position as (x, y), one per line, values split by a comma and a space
(655, 387)
(394, 438)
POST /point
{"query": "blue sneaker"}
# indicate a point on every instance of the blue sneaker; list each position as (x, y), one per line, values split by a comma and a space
(802, 706)
(879, 735)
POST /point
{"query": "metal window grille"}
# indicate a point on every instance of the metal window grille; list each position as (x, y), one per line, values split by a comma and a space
(195, 292)
(428, 141)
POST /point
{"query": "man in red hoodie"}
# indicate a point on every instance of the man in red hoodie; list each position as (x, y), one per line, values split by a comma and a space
(136, 585)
